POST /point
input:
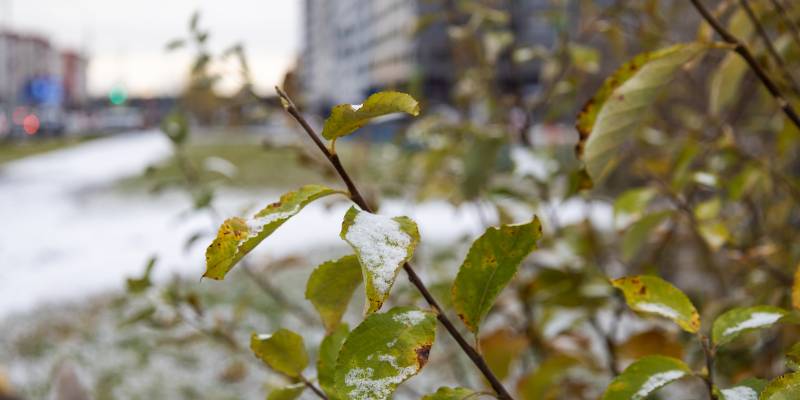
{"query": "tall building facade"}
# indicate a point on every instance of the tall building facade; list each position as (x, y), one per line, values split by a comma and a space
(352, 48)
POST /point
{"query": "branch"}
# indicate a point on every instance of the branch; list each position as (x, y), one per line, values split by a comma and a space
(773, 52)
(357, 198)
(313, 388)
(745, 53)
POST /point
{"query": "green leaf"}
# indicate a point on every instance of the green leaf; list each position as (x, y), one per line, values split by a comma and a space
(725, 82)
(739, 320)
(638, 234)
(238, 236)
(139, 285)
(331, 287)
(653, 295)
(490, 264)
(175, 126)
(644, 377)
(541, 382)
(284, 351)
(383, 352)
(749, 389)
(382, 245)
(633, 203)
(786, 387)
(617, 109)
(447, 393)
(290, 392)
(326, 364)
(346, 118)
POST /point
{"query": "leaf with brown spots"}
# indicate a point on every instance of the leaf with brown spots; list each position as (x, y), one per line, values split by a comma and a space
(490, 265)
(653, 295)
(384, 351)
(610, 117)
(238, 236)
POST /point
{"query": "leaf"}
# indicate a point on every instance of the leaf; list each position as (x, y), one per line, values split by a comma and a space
(786, 387)
(632, 203)
(749, 389)
(326, 364)
(734, 322)
(653, 295)
(238, 236)
(448, 393)
(617, 109)
(490, 264)
(347, 118)
(290, 392)
(384, 351)
(382, 245)
(725, 83)
(284, 351)
(139, 285)
(330, 288)
(175, 126)
(500, 349)
(644, 377)
(540, 383)
(638, 234)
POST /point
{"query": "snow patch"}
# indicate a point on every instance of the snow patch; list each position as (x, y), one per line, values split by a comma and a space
(410, 318)
(655, 382)
(356, 107)
(366, 386)
(382, 247)
(659, 309)
(756, 320)
(739, 393)
(256, 224)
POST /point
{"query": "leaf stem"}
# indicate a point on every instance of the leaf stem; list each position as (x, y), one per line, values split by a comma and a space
(313, 388)
(709, 351)
(357, 198)
(745, 53)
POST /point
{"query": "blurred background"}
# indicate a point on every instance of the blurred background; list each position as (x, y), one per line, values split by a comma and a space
(130, 129)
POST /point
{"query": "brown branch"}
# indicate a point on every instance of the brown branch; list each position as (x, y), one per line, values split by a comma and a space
(773, 52)
(357, 198)
(745, 53)
(313, 388)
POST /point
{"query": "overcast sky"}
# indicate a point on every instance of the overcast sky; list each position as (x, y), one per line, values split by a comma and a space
(125, 38)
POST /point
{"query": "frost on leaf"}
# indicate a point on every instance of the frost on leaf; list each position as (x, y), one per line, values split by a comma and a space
(644, 377)
(238, 236)
(382, 246)
(656, 381)
(383, 352)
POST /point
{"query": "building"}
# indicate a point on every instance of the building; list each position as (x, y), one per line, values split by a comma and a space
(353, 48)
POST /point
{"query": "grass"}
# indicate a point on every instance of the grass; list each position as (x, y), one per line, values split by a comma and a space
(10, 151)
(258, 166)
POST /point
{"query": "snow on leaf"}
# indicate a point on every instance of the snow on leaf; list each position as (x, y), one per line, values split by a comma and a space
(368, 367)
(382, 246)
(736, 321)
(653, 295)
(238, 236)
(739, 393)
(645, 376)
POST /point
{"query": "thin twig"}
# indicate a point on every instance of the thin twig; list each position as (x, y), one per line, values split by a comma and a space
(773, 52)
(709, 351)
(313, 388)
(278, 296)
(787, 20)
(357, 198)
(745, 53)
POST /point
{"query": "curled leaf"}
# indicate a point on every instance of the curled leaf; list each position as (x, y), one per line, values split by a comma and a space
(238, 236)
(347, 118)
(616, 110)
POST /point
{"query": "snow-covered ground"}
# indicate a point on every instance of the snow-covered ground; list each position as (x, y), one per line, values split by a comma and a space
(66, 235)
